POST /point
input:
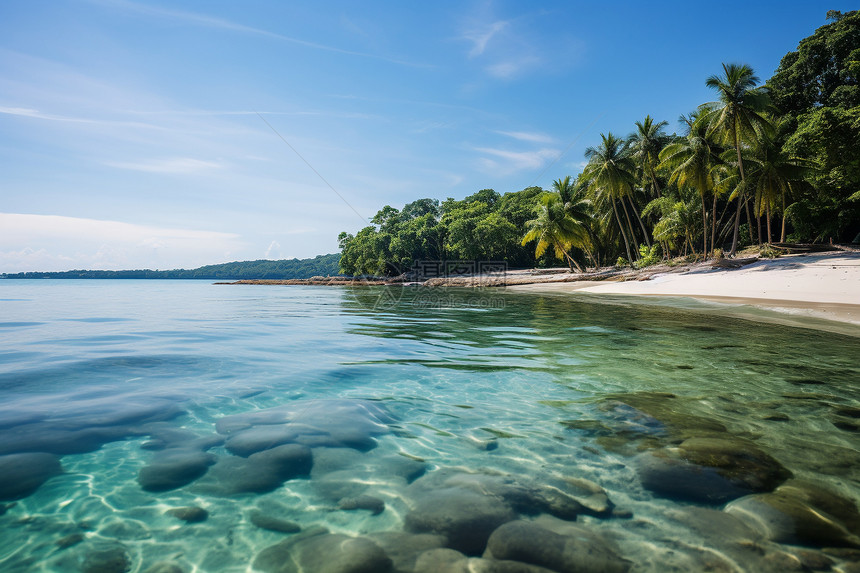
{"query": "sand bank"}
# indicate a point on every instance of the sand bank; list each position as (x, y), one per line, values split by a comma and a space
(825, 285)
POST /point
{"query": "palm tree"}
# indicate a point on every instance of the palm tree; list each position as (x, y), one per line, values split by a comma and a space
(774, 172)
(609, 174)
(554, 228)
(645, 145)
(691, 161)
(736, 117)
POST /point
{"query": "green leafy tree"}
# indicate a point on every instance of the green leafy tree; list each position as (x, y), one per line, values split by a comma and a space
(737, 118)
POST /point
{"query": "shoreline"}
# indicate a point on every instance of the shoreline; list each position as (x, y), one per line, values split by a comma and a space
(816, 286)
(819, 286)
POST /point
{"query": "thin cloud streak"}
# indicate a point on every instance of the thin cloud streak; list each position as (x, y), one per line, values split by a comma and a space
(178, 165)
(530, 137)
(197, 19)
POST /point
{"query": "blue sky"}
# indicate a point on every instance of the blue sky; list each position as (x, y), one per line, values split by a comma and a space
(130, 134)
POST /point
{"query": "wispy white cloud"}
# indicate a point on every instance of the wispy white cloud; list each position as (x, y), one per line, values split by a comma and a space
(481, 37)
(512, 68)
(173, 165)
(204, 20)
(52, 242)
(527, 136)
(511, 161)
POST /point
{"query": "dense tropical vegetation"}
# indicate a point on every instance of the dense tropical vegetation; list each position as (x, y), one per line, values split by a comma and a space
(322, 265)
(778, 161)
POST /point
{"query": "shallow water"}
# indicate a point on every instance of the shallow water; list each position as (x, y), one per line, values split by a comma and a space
(538, 389)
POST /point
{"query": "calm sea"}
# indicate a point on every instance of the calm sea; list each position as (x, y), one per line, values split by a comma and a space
(388, 414)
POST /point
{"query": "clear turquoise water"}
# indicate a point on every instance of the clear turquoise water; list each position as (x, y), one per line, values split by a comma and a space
(514, 383)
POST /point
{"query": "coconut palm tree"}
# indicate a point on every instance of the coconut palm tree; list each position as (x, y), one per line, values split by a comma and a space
(553, 227)
(610, 178)
(690, 162)
(736, 117)
(774, 172)
(645, 145)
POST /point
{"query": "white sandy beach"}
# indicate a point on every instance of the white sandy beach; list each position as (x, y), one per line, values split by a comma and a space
(825, 285)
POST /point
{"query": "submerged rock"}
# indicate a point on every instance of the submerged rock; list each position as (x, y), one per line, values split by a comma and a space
(368, 502)
(464, 517)
(323, 552)
(189, 514)
(164, 567)
(709, 470)
(22, 474)
(173, 468)
(404, 548)
(450, 561)
(271, 523)
(108, 559)
(312, 423)
(258, 473)
(802, 513)
(69, 540)
(576, 549)
(84, 430)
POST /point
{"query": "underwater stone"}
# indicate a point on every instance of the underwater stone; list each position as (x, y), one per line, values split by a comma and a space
(164, 567)
(323, 552)
(464, 517)
(189, 514)
(576, 550)
(404, 548)
(113, 559)
(69, 540)
(258, 473)
(84, 431)
(125, 530)
(368, 502)
(803, 513)
(173, 468)
(22, 474)
(312, 423)
(270, 523)
(709, 470)
(450, 561)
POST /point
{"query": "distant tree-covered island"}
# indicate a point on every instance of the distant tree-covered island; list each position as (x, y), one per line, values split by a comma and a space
(322, 265)
(761, 164)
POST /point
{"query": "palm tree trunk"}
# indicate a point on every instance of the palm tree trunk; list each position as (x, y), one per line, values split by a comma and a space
(714, 223)
(630, 226)
(740, 197)
(782, 234)
(749, 222)
(641, 224)
(767, 207)
(654, 181)
(571, 262)
(623, 234)
(704, 227)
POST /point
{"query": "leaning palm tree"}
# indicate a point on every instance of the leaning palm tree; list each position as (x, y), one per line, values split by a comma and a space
(645, 145)
(553, 227)
(690, 162)
(610, 178)
(737, 117)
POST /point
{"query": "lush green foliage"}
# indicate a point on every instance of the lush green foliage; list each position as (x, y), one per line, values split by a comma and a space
(322, 265)
(485, 226)
(785, 152)
(818, 89)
